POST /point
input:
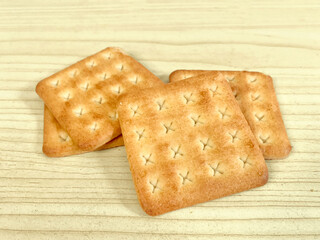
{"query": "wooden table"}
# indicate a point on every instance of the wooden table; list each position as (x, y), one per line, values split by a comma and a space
(91, 196)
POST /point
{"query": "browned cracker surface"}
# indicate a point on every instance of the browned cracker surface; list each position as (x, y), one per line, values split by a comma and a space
(57, 142)
(257, 99)
(83, 97)
(188, 142)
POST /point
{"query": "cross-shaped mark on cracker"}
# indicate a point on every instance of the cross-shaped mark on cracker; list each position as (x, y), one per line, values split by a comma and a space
(253, 80)
(224, 113)
(188, 98)
(134, 110)
(176, 152)
(66, 97)
(245, 161)
(235, 94)
(185, 178)
(140, 134)
(75, 73)
(92, 64)
(94, 127)
(134, 80)
(64, 138)
(214, 90)
(187, 76)
(255, 97)
(215, 170)
(107, 55)
(206, 144)
(147, 159)
(154, 185)
(161, 104)
(168, 127)
(85, 87)
(79, 112)
(230, 79)
(117, 90)
(56, 83)
(196, 120)
(234, 136)
(259, 117)
(105, 76)
(99, 100)
(114, 116)
(120, 67)
(264, 139)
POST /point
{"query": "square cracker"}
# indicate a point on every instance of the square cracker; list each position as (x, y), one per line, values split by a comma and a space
(57, 142)
(83, 97)
(188, 142)
(254, 91)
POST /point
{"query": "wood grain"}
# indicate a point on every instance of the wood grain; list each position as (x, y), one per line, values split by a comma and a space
(91, 196)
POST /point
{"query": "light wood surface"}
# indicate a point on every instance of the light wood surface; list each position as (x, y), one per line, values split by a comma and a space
(91, 196)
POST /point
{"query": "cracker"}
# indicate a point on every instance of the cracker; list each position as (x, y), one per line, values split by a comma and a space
(57, 142)
(188, 142)
(254, 91)
(83, 97)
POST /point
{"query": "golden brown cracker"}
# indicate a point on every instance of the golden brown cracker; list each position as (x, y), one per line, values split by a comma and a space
(255, 93)
(83, 97)
(188, 142)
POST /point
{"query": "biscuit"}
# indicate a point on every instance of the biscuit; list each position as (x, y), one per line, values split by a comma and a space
(57, 142)
(188, 142)
(83, 97)
(257, 99)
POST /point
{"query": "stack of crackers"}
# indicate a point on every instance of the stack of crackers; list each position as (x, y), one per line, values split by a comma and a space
(204, 135)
